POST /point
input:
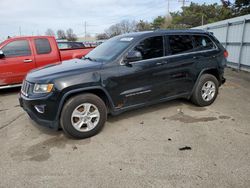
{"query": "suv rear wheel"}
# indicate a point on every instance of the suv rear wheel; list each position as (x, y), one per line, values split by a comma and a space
(206, 90)
(83, 116)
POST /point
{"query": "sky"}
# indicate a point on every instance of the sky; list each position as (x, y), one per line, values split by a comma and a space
(34, 17)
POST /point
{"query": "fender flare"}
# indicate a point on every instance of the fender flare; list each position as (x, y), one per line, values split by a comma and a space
(198, 78)
(62, 101)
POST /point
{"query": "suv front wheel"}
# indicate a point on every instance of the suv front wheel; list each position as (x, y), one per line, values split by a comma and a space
(83, 116)
(206, 90)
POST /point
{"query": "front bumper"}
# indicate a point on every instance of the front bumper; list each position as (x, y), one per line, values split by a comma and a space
(42, 119)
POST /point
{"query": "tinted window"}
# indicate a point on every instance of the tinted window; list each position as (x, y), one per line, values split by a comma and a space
(17, 48)
(42, 46)
(76, 45)
(180, 44)
(70, 45)
(151, 47)
(202, 43)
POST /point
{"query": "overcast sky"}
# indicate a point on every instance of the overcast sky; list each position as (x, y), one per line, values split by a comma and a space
(33, 17)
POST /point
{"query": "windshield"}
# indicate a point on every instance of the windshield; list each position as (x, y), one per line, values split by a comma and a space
(110, 49)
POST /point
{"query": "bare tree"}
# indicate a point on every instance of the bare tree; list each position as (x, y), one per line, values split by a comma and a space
(168, 21)
(143, 26)
(50, 32)
(61, 34)
(70, 35)
(125, 26)
(113, 30)
(102, 36)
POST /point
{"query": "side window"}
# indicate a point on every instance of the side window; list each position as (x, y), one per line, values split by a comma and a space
(202, 43)
(180, 44)
(151, 47)
(42, 46)
(17, 48)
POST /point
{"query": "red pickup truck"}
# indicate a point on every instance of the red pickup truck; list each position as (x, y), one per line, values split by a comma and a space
(19, 55)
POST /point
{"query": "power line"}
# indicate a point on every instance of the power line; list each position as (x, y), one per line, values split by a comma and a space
(183, 2)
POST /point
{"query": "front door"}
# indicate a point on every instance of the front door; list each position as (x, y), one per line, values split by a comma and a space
(140, 81)
(18, 60)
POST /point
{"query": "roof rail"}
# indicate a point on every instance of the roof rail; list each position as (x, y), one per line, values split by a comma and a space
(181, 30)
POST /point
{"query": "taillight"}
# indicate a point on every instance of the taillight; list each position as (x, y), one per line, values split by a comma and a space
(226, 54)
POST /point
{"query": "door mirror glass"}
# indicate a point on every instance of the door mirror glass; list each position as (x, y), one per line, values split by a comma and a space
(1, 54)
(133, 56)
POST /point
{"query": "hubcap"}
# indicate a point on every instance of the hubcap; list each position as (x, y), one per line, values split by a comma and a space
(208, 91)
(85, 117)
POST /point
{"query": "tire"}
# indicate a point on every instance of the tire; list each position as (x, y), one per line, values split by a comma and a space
(83, 116)
(199, 96)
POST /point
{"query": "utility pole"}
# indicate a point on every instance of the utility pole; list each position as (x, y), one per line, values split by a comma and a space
(85, 29)
(183, 2)
(168, 6)
(202, 19)
(20, 30)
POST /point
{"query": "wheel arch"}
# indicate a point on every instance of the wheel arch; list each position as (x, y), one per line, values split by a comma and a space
(99, 91)
(212, 71)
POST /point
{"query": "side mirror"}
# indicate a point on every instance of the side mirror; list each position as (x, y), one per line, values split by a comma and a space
(1, 54)
(133, 56)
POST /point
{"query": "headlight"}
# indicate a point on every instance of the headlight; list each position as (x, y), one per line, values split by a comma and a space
(43, 88)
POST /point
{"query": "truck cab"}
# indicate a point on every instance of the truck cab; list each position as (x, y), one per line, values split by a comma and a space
(19, 55)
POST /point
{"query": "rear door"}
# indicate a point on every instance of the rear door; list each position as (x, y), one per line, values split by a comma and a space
(18, 60)
(46, 51)
(180, 65)
(207, 53)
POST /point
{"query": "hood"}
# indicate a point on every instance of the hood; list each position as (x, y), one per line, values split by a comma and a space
(63, 69)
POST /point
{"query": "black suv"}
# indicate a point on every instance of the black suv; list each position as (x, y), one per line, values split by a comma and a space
(123, 73)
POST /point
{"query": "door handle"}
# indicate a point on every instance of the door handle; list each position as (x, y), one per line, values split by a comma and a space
(161, 63)
(27, 61)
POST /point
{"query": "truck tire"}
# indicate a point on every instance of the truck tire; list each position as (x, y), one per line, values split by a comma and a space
(83, 116)
(206, 90)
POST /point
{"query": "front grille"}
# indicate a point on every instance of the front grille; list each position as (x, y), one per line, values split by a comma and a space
(26, 86)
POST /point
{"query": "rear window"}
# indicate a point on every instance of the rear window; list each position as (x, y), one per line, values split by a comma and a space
(203, 43)
(42, 46)
(62, 45)
(180, 44)
(17, 48)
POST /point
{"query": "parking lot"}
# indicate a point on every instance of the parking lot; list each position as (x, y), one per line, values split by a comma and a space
(140, 148)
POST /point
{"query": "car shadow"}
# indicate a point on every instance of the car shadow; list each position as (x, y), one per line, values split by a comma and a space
(10, 91)
(129, 114)
(149, 109)
(45, 130)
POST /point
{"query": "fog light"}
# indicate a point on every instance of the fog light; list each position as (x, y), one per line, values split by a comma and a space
(40, 108)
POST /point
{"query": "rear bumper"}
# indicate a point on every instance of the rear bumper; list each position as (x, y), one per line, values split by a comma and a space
(28, 106)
